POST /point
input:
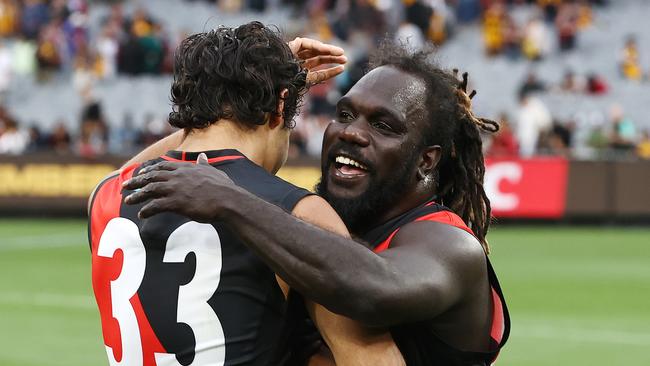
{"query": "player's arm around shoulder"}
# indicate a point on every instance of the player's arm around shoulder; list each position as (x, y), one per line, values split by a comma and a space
(351, 342)
(432, 268)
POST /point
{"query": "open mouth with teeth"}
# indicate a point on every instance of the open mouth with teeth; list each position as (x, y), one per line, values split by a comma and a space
(347, 167)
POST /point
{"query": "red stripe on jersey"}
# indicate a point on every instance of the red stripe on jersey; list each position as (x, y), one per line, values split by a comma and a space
(105, 207)
(498, 323)
(218, 159)
(385, 244)
(446, 217)
(150, 343)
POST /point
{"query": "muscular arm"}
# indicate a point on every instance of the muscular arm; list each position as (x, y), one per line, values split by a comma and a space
(429, 268)
(350, 342)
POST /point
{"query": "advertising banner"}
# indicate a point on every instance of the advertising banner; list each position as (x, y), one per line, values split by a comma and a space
(531, 188)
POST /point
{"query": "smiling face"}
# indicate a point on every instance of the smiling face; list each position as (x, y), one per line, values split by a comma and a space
(372, 150)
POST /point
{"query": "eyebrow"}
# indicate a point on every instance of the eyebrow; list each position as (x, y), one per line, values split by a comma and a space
(376, 111)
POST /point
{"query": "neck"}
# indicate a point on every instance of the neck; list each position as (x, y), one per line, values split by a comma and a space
(405, 204)
(226, 134)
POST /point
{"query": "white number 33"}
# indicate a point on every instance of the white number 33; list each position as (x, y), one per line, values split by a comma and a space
(193, 309)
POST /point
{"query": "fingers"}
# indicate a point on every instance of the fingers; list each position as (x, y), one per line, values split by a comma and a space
(316, 61)
(151, 190)
(315, 77)
(307, 47)
(154, 207)
(142, 180)
(163, 165)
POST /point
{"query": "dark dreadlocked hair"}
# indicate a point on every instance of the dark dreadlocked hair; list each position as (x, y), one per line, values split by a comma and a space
(235, 73)
(459, 175)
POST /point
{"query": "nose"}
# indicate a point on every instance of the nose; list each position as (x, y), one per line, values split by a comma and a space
(353, 133)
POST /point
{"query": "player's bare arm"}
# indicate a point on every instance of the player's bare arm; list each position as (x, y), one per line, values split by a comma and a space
(321, 60)
(350, 342)
(318, 263)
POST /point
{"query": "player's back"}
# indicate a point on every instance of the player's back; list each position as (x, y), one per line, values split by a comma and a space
(173, 291)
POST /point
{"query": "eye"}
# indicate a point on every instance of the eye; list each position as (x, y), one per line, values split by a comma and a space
(381, 125)
(345, 116)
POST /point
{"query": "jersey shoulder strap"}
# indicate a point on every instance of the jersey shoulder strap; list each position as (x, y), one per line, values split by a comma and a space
(106, 202)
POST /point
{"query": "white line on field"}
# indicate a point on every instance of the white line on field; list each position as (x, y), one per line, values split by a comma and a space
(78, 302)
(42, 241)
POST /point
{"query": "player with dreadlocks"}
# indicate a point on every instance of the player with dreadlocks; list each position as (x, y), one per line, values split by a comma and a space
(402, 165)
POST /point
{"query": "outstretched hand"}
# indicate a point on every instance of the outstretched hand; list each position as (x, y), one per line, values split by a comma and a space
(198, 191)
(315, 54)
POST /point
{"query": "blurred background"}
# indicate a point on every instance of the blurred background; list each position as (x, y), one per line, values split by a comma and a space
(84, 85)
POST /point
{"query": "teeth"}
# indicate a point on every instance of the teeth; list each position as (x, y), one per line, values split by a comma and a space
(347, 161)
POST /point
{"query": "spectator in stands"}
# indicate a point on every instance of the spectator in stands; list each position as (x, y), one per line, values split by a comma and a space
(468, 10)
(643, 147)
(13, 140)
(585, 15)
(623, 135)
(93, 138)
(531, 85)
(34, 15)
(23, 56)
(559, 139)
(504, 142)
(59, 140)
(84, 74)
(493, 28)
(8, 17)
(550, 8)
(566, 24)
(107, 48)
(536, 40)
(571, 83)
(630, 65)
(511, 39)
(533, 120)
(36, 139)
(596, 85)
(50, 48)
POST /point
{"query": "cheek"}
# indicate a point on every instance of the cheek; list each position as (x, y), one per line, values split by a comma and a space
(392, 154)
(329, 137)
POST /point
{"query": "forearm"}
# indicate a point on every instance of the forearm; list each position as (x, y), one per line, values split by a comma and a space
(158, 148)
(319, 264)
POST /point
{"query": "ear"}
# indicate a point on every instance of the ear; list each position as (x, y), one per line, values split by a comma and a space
(429, 161)
(277, 118)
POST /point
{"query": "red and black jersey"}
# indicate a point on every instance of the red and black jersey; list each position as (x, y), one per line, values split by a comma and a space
(418, 344)
(172, 291)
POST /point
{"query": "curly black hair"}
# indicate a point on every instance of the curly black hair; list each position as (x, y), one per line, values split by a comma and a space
(459, 175)
(235, 73)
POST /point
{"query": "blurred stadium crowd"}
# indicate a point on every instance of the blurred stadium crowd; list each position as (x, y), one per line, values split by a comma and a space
(59, 42)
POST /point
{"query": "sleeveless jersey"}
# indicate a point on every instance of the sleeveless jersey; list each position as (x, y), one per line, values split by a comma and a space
(418, 344)
(171, 291)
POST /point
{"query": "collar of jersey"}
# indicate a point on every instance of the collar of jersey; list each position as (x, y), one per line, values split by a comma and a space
(214, 156)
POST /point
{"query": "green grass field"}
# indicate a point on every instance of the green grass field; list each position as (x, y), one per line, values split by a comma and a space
(577, 296)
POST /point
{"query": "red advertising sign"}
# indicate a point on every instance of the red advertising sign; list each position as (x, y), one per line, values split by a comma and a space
(530, 188)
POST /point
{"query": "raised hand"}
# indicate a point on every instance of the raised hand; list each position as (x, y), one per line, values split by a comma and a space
(198, 191)
(315, 54)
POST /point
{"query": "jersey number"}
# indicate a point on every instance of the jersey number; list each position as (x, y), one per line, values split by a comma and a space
(193, 309)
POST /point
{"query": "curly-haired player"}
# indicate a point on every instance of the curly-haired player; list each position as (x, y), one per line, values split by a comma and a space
(402, 165)
(174, 291)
